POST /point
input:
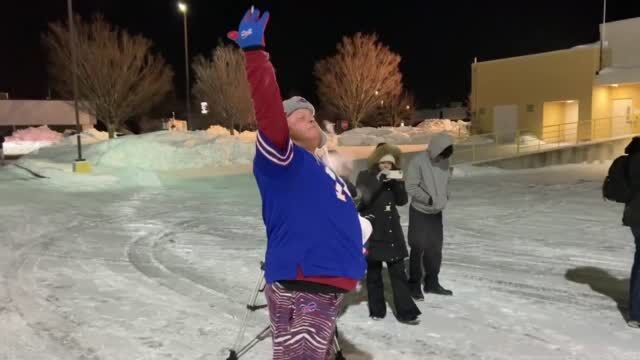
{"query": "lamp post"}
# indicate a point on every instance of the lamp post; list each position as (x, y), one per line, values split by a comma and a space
(183, 9)
(603, 34)
(74, 71)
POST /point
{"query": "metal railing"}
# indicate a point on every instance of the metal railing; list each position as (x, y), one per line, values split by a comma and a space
(505, 144)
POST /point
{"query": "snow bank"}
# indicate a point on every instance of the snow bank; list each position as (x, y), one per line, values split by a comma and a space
(145, 160)
(25, 141)
(404, 135)
(29, 140)
(530, 139)
(454, 128)
(91, 136)
(35, 134)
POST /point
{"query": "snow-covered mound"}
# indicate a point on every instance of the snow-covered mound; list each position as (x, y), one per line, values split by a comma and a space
(25, 141)
(145, 159)
(530, 139)
(90, 136)
(455, 128)
(403, 135)
(42, 133)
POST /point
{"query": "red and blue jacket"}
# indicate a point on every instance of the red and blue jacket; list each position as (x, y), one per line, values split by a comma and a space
(313, 229)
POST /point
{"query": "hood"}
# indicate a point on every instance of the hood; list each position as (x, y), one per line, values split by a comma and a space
(633, 147)
(386, 149)
(438, 143)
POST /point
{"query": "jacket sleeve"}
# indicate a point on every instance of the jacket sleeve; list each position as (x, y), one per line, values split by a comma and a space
(273, 134)
(413, 182)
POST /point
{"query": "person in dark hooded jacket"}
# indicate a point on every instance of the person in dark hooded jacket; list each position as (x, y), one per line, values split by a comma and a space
(631, 218)
(427, 179)
(380, 197)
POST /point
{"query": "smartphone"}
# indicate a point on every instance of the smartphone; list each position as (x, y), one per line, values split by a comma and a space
(395, 174)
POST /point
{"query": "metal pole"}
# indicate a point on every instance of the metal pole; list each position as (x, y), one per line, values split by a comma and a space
(186, 66)
(74, 64)
(603, 32)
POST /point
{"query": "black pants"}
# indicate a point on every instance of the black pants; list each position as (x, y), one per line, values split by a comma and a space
(405, 307)
(425, 239)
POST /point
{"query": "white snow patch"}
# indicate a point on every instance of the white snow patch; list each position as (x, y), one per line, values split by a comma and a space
(144, 160)
(403, 135)
(25, 141)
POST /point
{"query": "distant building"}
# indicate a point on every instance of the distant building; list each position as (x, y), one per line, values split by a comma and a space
(53, 113)
(564, 95)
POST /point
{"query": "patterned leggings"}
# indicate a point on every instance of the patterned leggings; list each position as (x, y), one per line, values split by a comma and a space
(302, 324)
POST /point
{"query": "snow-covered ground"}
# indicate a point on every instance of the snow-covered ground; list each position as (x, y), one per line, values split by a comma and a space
(536, 259)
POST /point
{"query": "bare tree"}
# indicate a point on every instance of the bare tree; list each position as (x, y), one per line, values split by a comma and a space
(118, 76)
(222, 82)
(401, 108)
(363, 73)
(391, 112)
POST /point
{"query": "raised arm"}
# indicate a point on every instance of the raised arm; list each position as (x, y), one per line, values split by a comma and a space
(272, 121)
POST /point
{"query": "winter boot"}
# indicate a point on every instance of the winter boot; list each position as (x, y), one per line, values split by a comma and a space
(409, 320)
(634, 324)
(436, 288)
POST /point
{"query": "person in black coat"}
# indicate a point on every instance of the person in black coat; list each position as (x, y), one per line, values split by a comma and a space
(380, 197)
(631, 218)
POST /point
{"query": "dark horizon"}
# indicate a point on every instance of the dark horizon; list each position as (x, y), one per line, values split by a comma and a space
(437, 41)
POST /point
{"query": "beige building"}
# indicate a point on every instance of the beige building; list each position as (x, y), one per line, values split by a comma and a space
(23, 113)
(566, 95)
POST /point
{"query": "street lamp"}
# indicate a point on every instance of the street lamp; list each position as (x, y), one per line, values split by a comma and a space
(183, 9)
(80, 165)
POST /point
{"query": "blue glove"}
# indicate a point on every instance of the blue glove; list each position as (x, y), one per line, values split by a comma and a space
(250, 32)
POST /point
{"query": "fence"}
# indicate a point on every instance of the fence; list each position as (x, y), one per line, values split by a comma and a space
(505, 144)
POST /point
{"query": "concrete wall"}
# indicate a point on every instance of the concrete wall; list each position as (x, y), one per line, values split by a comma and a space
(622, 38)
(588, 152)
(530, 81)
(41, 112)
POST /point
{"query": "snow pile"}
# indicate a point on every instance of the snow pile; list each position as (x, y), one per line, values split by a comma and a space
(31, 139)
(528, 139)
(217, 130)
(147, 159)
(91, 136)
(40, 134)
(170, 151)
(454, 128)
(404, 135)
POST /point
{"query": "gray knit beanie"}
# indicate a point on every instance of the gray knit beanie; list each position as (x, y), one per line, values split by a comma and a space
(297, 103)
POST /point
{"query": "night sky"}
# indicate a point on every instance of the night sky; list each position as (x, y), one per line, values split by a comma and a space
(436, 39)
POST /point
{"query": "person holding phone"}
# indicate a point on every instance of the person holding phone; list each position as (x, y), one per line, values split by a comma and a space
(382, 191)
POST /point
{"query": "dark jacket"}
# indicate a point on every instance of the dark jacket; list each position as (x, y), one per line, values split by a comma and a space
(631, 215)
(381, 199)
